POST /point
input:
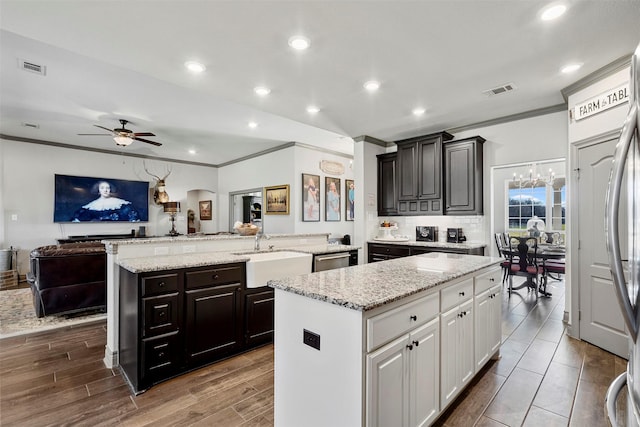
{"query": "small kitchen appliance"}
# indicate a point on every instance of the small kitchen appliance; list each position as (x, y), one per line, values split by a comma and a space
(455, 235)
(426, 234)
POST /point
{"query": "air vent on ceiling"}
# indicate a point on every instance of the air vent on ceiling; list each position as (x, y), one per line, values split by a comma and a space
(32, 67)
(500, 89)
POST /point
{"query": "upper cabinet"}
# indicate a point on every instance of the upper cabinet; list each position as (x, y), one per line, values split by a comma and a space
(431, 175)
(463, 176)
(419, 176)
(387, 188)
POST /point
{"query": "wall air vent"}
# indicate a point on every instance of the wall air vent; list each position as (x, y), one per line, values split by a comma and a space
(500, 89)
(32, 67)
(31, 125)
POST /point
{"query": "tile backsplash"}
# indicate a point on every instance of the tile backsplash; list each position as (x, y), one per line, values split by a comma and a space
(473, 226)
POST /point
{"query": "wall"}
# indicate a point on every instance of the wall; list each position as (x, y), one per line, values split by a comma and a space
(284, 166)
(27, 185)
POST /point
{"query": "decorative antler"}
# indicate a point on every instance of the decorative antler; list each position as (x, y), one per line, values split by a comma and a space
(159, 195)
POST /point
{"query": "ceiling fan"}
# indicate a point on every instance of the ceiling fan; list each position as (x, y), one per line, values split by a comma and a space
(123, 136)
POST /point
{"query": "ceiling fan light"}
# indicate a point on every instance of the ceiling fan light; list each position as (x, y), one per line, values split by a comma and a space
(122, 140)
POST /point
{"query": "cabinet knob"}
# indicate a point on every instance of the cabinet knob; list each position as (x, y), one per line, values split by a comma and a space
(161, 354)
(215, 276)
(414, 318)
(460, 315)
(461, 294)
(416, 343)
(162, 314)
(161, 285)
(491, 279)
(410, 346)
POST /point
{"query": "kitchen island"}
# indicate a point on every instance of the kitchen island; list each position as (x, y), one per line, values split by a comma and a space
(388, 343)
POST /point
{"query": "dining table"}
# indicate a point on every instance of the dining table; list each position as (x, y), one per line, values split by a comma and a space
(543, 253)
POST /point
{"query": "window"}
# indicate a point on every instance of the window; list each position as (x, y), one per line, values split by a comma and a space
(544, 199)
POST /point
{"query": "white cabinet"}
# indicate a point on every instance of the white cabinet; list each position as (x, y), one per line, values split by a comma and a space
(457, 355)
(403, 379)
(488, 316)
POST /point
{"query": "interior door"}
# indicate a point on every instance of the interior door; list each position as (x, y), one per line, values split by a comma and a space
(601, 321)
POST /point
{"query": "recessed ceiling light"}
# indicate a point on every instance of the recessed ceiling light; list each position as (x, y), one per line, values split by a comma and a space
(299, 42)
(372, 85)
(253, 125)
(570, 68)
(192, 151)
(194, 66)
(553, 12)
(262, 90)
(418, 111)
(312, 109)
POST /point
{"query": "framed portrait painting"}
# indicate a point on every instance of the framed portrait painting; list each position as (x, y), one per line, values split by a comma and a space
(332, 199)
(205, 210)
(310, 197)
(276, 200)
(349, 199)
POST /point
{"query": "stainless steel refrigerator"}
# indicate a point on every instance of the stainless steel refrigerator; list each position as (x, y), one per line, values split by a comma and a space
(624, 185)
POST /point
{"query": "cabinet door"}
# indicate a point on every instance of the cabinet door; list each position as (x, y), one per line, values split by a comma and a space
(407, 171)
(387, 385)
(483, 324)
(429, 168)
(465, 334)
(463, 176)
(450, 355)
(387, 188)
(424, 374)
(495, 319)
(259, 317)
(219, 306)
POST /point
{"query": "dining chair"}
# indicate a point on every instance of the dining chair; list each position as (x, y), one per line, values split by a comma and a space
(554, 266)
(506, 264)
(525, 249)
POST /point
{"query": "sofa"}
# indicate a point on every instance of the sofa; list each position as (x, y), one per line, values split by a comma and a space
(68, 278)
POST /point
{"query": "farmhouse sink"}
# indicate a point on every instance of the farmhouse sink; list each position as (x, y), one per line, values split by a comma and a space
(265, 266)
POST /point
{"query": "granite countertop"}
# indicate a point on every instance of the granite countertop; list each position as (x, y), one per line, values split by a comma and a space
(466, 245)
(170, 262)
(367, 286)
(192, 237)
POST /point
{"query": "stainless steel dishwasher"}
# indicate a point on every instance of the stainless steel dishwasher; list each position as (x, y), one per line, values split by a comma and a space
(330, 261)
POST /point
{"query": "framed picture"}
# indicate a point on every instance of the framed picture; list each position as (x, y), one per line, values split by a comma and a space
(205, 210)
(277, 200)
(349, 199)
(310, 197)
(332, 199)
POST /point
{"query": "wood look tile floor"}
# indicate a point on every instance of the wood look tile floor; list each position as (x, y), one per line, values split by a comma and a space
(543, 378)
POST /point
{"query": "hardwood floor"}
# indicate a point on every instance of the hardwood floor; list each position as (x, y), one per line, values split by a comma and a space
(542, 378)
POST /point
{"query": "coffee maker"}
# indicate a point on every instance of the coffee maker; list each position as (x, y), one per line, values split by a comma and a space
(455, 235)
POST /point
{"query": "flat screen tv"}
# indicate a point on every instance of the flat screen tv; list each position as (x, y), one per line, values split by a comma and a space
(87, 199)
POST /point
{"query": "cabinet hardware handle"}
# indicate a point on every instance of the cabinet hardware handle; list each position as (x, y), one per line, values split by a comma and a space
(416, 343)
(414, 318)
(161, 354)
(459, 314)
(461, 294)
(214, 277)
(410, 346)
(162, 314)
(492, 279)
(161, 284)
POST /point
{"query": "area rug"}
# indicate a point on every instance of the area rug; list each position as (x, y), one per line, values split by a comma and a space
(18, 317)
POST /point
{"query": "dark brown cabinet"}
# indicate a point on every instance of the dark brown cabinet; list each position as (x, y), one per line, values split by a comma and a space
(463, 176)
(213, 313)
(419, 174)
(176, 320)
(383, 252)
(259, 316)
(387, 188)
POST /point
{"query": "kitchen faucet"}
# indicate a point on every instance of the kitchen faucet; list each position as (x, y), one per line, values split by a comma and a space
(259, 236)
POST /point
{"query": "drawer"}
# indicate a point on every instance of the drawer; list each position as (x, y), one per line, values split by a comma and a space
(160, 315)
(215, 276)
(160, 284)
(393, 323)
(456, 294)
(486, 280)
(395, 251)
(159, 358)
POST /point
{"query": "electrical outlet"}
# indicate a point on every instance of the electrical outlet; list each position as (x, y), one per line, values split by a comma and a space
(311, 339)
(164, 250)
(189, 249)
